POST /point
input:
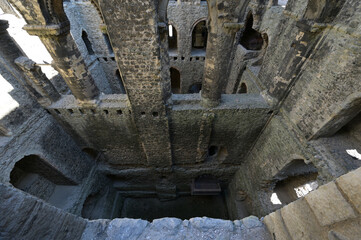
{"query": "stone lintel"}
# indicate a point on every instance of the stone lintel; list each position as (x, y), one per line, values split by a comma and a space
(48, 30)
(233, 26)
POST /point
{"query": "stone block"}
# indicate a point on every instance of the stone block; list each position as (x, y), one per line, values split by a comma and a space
(43, 223)
(125, 228)
(301, 222)
(14, 203)
(164, 228)
(274, 223)
(72, 227)
(95, 230)
(329, 205)
(351, 185)
(349, 230)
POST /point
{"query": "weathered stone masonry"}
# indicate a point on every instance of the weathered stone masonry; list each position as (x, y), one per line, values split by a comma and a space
(275, 106)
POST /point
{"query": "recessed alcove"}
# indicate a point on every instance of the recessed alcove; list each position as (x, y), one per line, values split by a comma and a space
(204, 196)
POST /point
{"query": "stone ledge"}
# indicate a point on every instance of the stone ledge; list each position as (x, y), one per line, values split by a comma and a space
(328, 205)
(350, 184)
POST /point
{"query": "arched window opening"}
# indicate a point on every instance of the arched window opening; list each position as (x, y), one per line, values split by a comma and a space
(87, 42)
(296, 180)
(107, 41)
(199, 37)
(175, 80)
(36, 177)
(120, 80)
(282, 3)
(195, 88)
(251, 39)
(172, 39)
(243, 88)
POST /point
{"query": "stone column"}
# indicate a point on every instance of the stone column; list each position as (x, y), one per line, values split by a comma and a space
(139, 40)
(67, 58)
(222, 27)
(39, 80)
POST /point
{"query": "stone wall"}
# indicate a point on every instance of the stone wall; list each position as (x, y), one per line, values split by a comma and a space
(183, 16)
(83, 16)
(36, 219)
(331, 212)
(236, 123)
(309, 74)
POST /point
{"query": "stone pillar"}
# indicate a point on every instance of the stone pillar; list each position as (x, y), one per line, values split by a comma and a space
(139, 39)
(39, 80)
(222, 27)
(67, 58)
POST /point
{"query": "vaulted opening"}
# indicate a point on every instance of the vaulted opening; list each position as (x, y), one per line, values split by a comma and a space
(251, 39)
(199, 38)
(37, 177)
(295, 180)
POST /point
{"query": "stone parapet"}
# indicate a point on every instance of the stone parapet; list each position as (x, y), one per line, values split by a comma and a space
(330, 212)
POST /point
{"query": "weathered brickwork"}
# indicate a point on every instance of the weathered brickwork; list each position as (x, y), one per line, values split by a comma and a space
(184, 16)
(272, 127)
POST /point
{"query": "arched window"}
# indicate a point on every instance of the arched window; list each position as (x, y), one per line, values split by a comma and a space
(175, 80)
(172, 38)
(195, 88)
(107, 41)
(87, 42)
(37, 177)
(251, 39)
(120, 80)
(199, 36)
(243, 88)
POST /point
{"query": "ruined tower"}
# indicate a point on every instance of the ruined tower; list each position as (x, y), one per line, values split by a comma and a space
(186, 119)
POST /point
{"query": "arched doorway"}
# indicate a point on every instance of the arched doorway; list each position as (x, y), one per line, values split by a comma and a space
(295, 180)
(251, 39)
(35, 176)
(199, 37)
